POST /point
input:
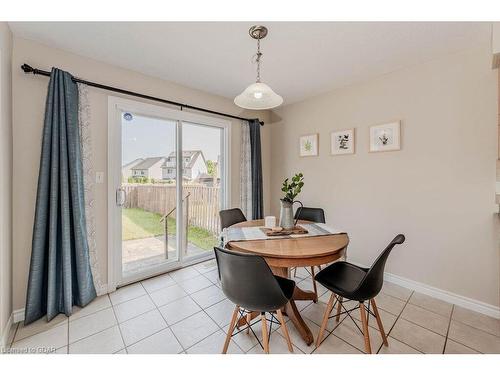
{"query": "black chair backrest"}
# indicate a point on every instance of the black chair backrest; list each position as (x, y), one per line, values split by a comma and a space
(372, 283)
(248, 281)
(316, 215)
(231, 217)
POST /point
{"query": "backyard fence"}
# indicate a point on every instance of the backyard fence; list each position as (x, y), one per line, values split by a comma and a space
(202, 202)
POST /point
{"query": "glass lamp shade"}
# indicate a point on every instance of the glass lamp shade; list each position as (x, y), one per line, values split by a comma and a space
(258, 96)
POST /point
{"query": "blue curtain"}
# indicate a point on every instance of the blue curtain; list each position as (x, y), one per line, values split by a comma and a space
(60, 274)
(256, 167)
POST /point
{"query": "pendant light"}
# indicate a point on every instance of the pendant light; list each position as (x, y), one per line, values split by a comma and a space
(258, 95)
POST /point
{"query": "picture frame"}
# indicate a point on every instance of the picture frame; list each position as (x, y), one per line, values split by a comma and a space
(342, 142)
(385, 137)
(309, 145)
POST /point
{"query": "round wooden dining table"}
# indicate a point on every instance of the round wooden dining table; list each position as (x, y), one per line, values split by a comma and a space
(284, 253)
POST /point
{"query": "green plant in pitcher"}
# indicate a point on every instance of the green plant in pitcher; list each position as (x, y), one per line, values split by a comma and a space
(293, 188)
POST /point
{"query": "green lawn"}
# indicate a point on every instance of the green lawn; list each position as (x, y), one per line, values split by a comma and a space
(138, 223)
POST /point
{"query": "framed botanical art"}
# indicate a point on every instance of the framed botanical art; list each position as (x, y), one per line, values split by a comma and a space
(385, 137)
(308, 145)
(342, 142)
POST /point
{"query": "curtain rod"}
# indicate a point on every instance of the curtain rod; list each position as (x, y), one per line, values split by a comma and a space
(29, 69)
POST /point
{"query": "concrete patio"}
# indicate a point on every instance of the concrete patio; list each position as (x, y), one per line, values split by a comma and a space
(145, 252)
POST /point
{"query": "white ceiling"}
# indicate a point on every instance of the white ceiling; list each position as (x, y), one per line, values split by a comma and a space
(301, 59)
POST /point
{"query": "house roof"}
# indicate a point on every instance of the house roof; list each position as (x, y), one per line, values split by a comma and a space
(185, 154)
(132, 163)
(149, 162)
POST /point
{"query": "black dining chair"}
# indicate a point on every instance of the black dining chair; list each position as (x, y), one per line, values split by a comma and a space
(316, 215)
(347, 281)
(230, 217)
(249, 283)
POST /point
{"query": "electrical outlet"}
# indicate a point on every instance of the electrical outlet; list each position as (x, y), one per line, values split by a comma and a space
(99, 177)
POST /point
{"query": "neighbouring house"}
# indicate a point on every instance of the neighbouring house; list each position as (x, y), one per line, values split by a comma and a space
(150, 168)
(127, 168)
(193, 164)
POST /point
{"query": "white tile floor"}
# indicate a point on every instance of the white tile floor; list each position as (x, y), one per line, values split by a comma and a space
(186, 312)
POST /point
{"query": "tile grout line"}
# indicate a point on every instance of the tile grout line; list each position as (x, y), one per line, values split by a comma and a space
(476, 328)
(14, 336)
(169, 326)
(467, 346)
(112, 307)
(204, 309)
(221, 328)
(395, 322)
(421, 326)
(400, 313)
(154, 333)
(189, 316)
(362, 351)
(95, 333)
(37, 333)
(448, 330)
(114, 313)
(148, 336)
(136, 316)
(331, 333)
(426, 309)
(118, 324)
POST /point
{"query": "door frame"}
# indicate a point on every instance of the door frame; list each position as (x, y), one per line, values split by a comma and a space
(115, 106)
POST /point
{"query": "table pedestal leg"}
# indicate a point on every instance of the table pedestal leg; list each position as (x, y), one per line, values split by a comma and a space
(291, 309)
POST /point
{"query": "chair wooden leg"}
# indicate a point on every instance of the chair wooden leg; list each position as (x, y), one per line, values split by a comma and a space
(230, 329)
(328, 310)
(249, 319)
(284, 330)
(314, 284)
(265, 337)
(379, 322)
(339, 308)
(366, 334)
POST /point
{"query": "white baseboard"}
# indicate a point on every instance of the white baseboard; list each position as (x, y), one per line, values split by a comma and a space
(466, 302)
(456, 299)
(104, 290)
(5, 333)
(18, 315)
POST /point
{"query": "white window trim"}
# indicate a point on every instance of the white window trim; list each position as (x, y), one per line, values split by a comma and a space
(115, 106)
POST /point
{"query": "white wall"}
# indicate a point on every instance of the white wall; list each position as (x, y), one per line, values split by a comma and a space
(439, 190)
(200, 166)
(155, 171)
(29, 94)
(5, 180)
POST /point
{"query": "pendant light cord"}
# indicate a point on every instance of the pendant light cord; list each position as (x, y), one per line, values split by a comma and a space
(259, 56)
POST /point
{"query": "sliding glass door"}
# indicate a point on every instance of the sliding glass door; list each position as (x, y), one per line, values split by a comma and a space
(146, 199)
(203, 178)
(168, 180)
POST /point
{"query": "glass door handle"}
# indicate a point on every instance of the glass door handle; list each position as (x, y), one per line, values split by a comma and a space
(121, 196)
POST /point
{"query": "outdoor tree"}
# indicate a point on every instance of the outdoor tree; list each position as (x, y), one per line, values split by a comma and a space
(212, 168)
